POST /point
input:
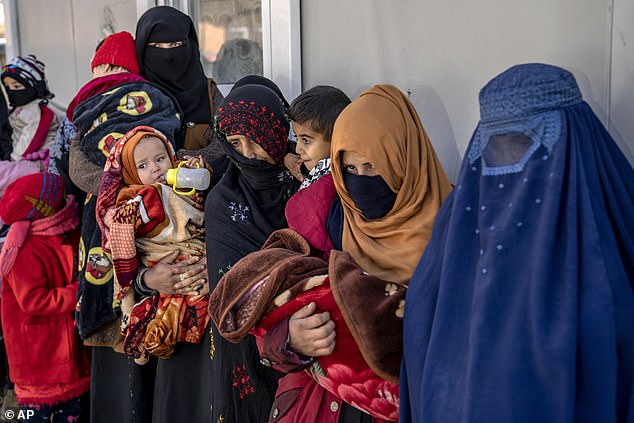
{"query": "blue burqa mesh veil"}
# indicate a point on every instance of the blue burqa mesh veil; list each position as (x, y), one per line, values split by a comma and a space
(522, 307)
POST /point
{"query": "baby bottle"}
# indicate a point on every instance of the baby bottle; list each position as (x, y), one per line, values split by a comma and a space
(184, 177)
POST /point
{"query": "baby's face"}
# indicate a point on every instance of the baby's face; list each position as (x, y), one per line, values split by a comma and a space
(106, 69)
(12, 84)
(151, 160)
(311, 145)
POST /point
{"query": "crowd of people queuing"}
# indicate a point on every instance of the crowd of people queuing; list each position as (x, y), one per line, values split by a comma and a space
(329, 272)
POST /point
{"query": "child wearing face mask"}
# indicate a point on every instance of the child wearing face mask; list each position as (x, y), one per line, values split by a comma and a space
(34, 123)
(145, 220)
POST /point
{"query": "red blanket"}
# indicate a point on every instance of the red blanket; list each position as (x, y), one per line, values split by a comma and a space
(270, 285)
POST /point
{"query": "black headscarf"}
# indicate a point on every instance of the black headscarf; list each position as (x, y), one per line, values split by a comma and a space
(241, 212)
(178, 69)
(262, 80)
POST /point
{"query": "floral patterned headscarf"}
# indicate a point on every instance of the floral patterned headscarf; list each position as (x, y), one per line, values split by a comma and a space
(256, 112)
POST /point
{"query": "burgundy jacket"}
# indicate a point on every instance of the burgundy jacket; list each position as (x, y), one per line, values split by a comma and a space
(299, 398)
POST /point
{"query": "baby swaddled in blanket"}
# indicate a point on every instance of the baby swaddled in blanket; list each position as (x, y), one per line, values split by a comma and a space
(143, 220)
(115, 101)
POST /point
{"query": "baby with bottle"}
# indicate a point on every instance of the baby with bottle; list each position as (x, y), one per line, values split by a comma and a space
(151, 209)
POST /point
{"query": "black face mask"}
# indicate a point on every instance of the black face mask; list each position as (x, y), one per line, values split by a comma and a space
(370, 194)
(19, 98)
(167, 64)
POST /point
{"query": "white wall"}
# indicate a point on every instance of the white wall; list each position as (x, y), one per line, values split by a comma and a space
(442, 51)
(64, 36)
(445, 51)
(622, 79)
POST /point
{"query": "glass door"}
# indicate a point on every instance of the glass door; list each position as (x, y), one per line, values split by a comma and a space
(230, 36)
(242, 37)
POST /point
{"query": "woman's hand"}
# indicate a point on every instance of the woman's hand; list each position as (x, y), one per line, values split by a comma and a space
(201, 292)
(187, 277)
(311, 334)
(294, 164)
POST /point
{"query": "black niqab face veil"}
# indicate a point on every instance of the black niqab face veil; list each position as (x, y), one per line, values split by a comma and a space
(178, 70)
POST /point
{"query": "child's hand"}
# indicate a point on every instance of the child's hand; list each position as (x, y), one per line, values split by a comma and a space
(193, 162)
(294, 164)
(41, 156)
(311, 333)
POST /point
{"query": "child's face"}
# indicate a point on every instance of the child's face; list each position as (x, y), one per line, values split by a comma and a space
(151, 160)
(248, 148)
(311, 145)
(12, 84)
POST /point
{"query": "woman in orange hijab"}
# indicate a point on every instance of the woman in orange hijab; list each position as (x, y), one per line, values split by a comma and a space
(389, 181)
(390, 186)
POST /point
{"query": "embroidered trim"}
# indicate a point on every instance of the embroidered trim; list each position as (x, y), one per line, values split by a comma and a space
(242, 381)
(543, 129)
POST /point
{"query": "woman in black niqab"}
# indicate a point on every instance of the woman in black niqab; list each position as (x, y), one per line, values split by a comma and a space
(176, 65)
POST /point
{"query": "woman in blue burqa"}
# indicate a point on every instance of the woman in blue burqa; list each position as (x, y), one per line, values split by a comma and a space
(522, 307)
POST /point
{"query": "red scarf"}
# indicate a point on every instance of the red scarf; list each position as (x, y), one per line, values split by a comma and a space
(61, 222)
(97, 86)
(38, 140)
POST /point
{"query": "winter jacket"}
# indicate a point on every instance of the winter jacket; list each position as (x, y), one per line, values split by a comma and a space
(38, 300)
(32, 124)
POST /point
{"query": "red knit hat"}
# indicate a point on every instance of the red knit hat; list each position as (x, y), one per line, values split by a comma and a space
(32, 197)
(117, 49)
